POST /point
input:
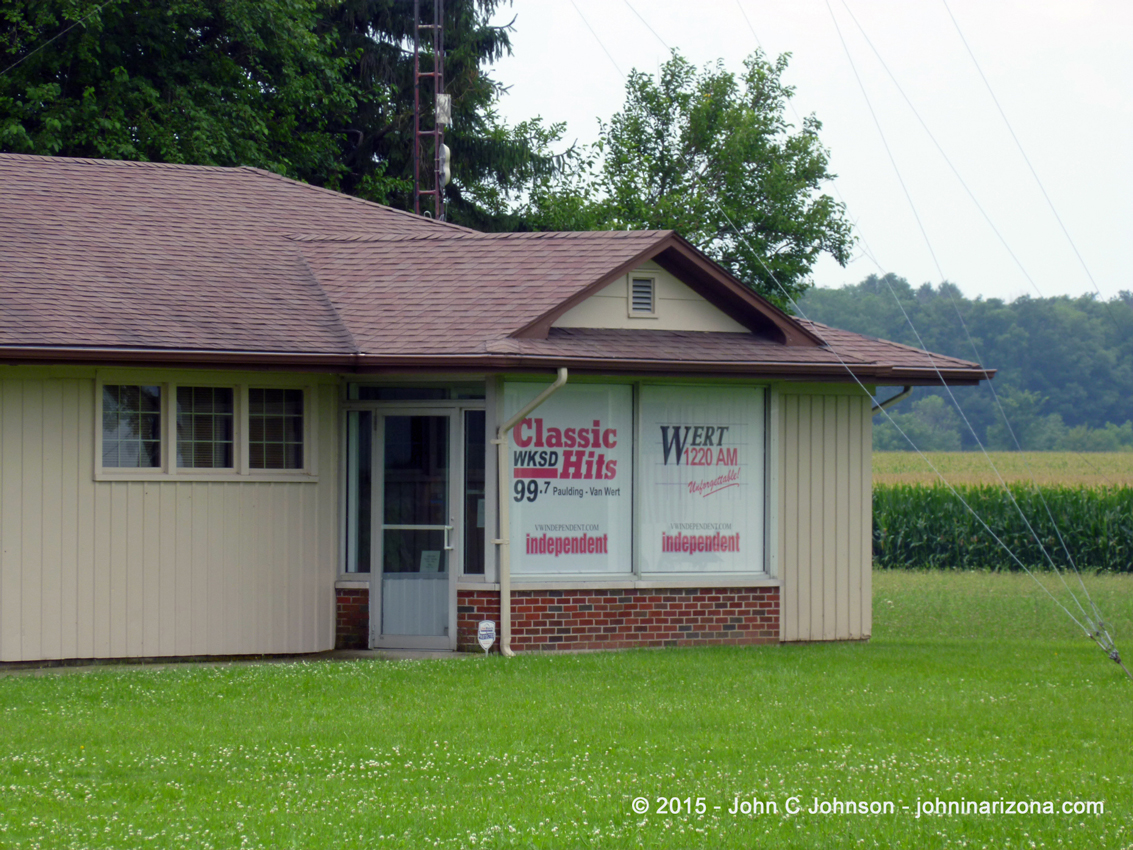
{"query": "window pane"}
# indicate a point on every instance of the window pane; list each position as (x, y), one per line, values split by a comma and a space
(205, 427)
(131, 426)
(359, 457)
(275, 428)
(475, 446)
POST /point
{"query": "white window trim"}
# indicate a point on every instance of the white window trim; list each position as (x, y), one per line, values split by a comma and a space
(241, 469)
(638, 314)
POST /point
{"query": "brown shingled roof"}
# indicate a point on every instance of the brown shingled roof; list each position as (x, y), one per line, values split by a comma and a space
(116, 261)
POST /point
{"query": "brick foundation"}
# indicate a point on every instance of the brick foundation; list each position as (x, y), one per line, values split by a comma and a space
(597, 619)
(352, 621)
(621, 619)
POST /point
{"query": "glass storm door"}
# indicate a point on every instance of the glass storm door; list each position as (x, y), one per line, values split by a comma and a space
(417, 530)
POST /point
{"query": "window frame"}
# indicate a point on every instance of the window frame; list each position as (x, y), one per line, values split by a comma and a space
(241, 470)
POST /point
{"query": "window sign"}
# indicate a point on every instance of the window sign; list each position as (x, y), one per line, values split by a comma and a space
(570, 462)
(701, 480)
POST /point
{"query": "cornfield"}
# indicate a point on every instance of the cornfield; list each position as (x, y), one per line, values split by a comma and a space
(922, 526)
(1077, 469)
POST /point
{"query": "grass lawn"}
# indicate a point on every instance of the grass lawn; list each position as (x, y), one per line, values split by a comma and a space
(973, 688)
(1072, 469)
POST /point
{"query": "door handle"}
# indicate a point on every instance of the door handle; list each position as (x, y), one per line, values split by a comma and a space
(448, 530)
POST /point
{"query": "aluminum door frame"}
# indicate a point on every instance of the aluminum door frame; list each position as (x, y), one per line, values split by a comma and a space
(377, 537)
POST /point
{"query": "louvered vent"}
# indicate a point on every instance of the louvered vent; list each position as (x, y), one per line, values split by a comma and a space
(641, 295)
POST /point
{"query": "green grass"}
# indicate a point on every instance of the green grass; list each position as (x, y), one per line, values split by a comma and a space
(974, 687)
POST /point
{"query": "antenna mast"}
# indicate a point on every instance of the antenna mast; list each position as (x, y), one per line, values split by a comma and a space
(428, 141)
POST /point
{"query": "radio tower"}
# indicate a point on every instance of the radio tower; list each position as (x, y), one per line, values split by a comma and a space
(430, 155)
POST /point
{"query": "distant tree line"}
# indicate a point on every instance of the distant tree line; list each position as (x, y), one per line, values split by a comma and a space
(1065, 365)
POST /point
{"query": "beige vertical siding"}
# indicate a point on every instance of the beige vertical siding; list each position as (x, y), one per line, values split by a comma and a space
(114, 569)
(824, 513)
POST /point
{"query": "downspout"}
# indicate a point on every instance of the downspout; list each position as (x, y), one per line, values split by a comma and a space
(889, 402)
(504, 540)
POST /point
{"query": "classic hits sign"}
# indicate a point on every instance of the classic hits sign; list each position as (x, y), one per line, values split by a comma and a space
(701, 479)
(571, 468)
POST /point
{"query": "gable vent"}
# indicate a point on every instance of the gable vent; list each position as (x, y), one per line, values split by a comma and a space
(641, 296)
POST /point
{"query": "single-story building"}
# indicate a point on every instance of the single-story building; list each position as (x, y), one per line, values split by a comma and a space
(243, 415)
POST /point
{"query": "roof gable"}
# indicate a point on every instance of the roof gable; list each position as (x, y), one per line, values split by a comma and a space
(676, 307)
(702, 276)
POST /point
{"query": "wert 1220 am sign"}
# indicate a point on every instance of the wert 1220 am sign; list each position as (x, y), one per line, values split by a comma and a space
(701, 480)
(571, 468)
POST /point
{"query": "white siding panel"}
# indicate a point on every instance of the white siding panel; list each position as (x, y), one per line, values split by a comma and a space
(107, 569)
(68, 522)
(825, 510)
(11, 518)
(842, 519)
(789, 510)
(85, 537)
(166, 602)
(865, 514)
(31, 578)
(854, 531)
(51, 587)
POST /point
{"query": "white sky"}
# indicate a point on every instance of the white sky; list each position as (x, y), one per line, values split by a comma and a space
(1061, 69)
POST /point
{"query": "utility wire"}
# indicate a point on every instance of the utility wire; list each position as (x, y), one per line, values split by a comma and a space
(960, 317)
(1098, 631)
(597, 39)
(663, 42)
(994, 229)
(1022, 152)
(794, 304)
(59, 35)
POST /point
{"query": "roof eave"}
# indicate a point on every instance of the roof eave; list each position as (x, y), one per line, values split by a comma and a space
(369, 363)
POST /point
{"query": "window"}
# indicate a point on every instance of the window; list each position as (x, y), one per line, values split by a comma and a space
(275, 429)
(221, 431)
(642, 296)
(204, 427)
(131, 426)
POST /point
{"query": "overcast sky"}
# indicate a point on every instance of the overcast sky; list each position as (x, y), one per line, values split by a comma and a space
(1062, 70)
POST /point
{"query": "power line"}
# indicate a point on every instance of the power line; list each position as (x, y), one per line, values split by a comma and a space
(1099, 633)
(1022, 152)
(1096, 630)
(663, 42)
(597, 39)
(54, 37)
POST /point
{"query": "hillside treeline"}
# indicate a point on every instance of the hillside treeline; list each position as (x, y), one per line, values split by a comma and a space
(1065, 365)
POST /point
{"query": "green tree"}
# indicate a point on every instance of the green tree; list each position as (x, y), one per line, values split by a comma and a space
(1073, 355)
(489, 160)
(216, 82)
(711, 155)
(318, 90)
(931, 423)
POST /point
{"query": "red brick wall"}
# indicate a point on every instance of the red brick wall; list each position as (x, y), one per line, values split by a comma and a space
(352, 627)
(597, 619)
(621, 619)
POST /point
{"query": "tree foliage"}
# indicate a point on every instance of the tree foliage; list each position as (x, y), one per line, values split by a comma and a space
(216, 82)
(318, 90)
(1065, 365)
(712, 155)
